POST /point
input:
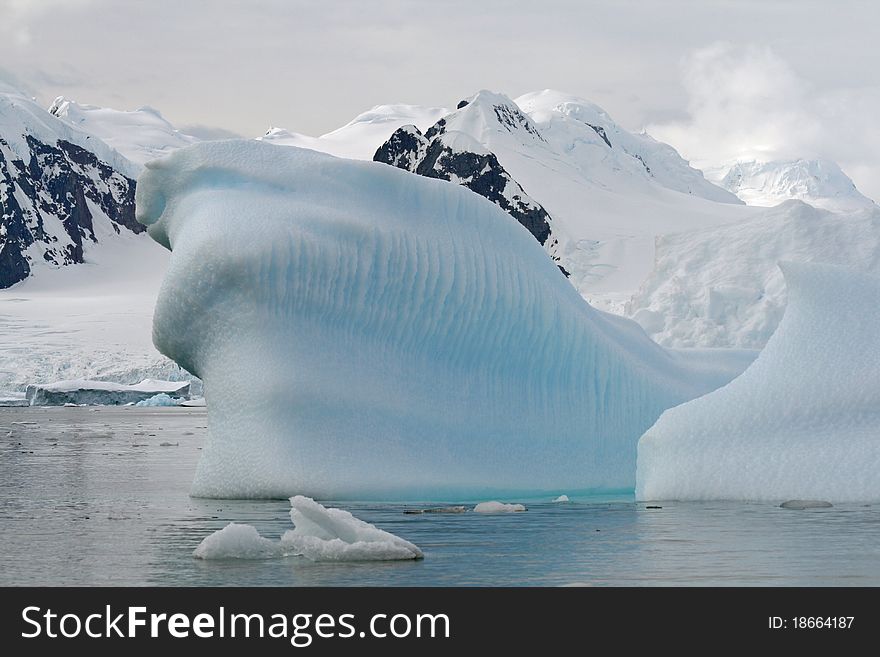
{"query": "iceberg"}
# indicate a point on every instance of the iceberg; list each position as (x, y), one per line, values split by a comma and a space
(104, 393)
(363, 332)
(319, 534)
(801, 423)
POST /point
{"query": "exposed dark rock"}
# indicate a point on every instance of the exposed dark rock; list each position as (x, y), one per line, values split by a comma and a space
(480, 172)
(644, 164)
(55, 187)
(455, 157)
(513, 119)
(601, 132)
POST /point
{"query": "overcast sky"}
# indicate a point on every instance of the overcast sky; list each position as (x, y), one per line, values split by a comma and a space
(716, 78)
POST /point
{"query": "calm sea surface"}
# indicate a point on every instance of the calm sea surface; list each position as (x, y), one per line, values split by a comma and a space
(100, 496)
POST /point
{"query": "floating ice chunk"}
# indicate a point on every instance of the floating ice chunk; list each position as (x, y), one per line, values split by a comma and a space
(323, 534)
(364, 332)
(237, 541)
(162, 399)
(104, 393)
(562, 498)
(802, 423)
(498, 507)
(198, 403)
(319, 534)
(437, 509)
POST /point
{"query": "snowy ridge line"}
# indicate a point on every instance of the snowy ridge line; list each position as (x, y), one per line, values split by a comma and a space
(803, 422)
(821, 183)
(560, 113)
(139, 135)
(362, 331)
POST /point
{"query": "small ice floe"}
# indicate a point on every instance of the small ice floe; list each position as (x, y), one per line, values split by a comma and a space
(562, 498)
(498, 507)
(237, 541)
(319, 534)
(437, 509)
(800, 505)
(200, 402)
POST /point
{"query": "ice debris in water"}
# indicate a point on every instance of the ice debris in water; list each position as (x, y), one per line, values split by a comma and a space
(498, 507)
(236, 541)
(562, 498)
(436, 509)
(161, 399)
(323, 534)
(319, 534)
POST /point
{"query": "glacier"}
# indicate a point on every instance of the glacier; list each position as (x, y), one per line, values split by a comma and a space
(722, 287)
(801, 423)
(363, 332)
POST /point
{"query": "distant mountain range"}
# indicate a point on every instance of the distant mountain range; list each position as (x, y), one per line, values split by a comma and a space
(61, 190)
(637, 230)
(820, 183)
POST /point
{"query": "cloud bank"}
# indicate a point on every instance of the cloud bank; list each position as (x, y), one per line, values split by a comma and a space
(745, 102)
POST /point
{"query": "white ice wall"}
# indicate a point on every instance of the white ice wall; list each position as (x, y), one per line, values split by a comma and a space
(802, 422)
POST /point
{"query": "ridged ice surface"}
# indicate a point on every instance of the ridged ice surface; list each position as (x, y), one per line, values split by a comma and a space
(803, 422)
(365, 332)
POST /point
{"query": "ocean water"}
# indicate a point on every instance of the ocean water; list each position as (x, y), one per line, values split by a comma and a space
(100, 496)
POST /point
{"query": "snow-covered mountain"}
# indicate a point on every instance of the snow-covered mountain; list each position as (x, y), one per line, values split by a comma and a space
(67, 198)
(61, 190)
(359, 138)
(562, 117)
(606, 193)
(641, 232)
(821, 183)
(140, 135)
(457, 157)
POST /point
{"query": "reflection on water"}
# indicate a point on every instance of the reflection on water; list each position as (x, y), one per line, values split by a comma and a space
(91, 496)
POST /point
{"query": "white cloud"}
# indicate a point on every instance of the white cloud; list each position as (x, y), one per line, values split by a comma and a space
(746, 102)
(19, 16)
